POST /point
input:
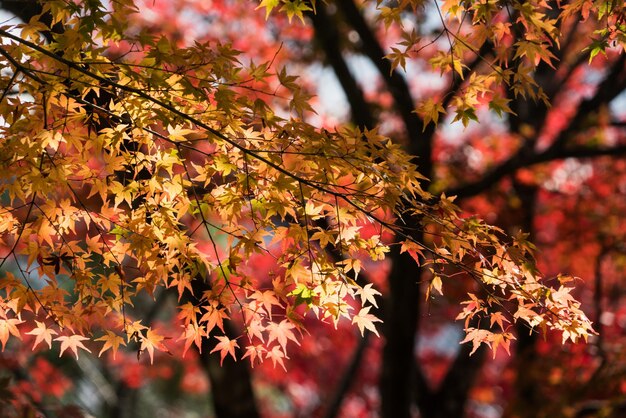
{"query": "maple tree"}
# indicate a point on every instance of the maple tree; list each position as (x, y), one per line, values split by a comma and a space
(135, 164)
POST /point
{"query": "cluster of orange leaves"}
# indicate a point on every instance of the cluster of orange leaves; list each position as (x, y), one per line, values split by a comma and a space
(181, 176)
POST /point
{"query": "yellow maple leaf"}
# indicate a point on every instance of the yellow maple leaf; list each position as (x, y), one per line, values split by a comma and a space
(269, 6)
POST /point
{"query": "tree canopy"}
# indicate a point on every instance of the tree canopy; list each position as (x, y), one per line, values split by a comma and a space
(134, 164)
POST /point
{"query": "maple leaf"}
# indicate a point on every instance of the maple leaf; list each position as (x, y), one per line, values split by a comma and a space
(477, 336)
(188, 313)
(351, 264)
(277, 356)
(254, 353)
(323, 237)
(397, 58)
(503, 340)
(312, 210)
(499, 105)
(368, 294)
(498, 318)
(112, 341)
(255, 328)
(150, 342)
(43, 333)
(435, 284)
(46, 232)
(225, 346)
(267, 299)
(193, 335)
(295, 8)
(414, 250)
(269, 6)
(528, 315)
(282, 333)
(214, 316)
(8, 327)
(347, 234)
(73, 342)
(430, 110)
(365, 320)
(134, 329)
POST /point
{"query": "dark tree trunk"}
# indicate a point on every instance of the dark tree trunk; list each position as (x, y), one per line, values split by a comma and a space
(528, 371)
(231, 385)
(231, 381)
(400, 327)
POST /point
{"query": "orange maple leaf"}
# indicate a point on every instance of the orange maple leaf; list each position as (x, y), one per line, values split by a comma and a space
(8, 327)
(112, 341)
(266, 299)
(226, 346)
(151, 341)
(277, 356)
(193, 334)
(214, 316)
(43, 334)
(188, 313)
(254, 352)
(282, 332)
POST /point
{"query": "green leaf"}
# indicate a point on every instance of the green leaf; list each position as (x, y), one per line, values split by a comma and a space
(500, 104)
(303, 295)
(465, 115)
(596, 47)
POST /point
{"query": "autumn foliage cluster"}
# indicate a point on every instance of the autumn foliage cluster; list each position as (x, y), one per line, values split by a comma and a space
(136, 165)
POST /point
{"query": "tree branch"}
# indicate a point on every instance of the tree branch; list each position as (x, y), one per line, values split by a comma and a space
(400, 326)
(231, 381)
(24, 9)
(328, 36)
(419, 142)
(613, 84)
(608, 89)
(517, 162)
